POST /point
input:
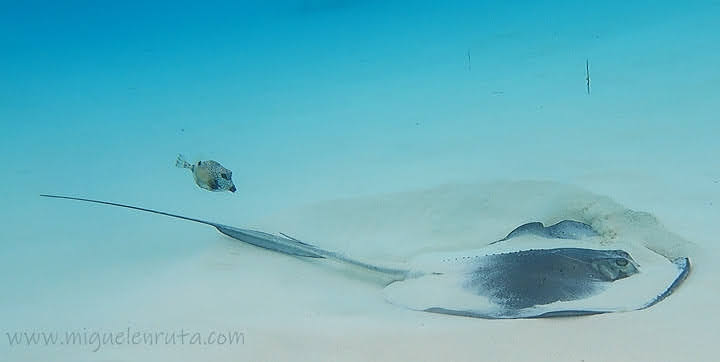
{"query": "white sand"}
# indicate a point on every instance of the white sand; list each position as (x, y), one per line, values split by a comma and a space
(290, 309)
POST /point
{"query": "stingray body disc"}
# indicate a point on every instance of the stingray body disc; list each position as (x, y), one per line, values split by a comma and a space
(538, 278)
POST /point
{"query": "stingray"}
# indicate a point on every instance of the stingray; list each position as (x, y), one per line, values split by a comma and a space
(534, 272)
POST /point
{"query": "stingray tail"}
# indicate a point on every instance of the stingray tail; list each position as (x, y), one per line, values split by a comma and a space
(395, 272)
(283, 244)
(182, 163)
(252, 237)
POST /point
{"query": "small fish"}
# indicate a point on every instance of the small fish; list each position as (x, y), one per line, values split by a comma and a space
(209, 175)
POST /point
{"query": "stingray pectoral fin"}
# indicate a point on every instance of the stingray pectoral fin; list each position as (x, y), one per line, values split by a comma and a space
(531, 228)
(683, 270)
(571, 229)
(503, 291)
(566, 229)
(437, 291)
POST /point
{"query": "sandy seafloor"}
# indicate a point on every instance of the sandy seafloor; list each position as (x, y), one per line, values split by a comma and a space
(314, 101)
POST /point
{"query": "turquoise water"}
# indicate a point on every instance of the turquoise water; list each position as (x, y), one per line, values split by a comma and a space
(309, 101)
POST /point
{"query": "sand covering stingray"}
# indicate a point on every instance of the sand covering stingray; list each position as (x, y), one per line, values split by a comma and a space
(445, 258)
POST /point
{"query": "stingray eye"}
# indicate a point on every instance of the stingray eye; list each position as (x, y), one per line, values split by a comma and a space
(621, 262)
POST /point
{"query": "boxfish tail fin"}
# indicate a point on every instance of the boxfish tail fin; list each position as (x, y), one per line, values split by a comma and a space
(181, 163)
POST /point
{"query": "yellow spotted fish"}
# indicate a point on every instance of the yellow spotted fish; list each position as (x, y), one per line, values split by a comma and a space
(209, 175)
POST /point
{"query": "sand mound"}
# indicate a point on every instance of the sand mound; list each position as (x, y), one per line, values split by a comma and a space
(399, 225)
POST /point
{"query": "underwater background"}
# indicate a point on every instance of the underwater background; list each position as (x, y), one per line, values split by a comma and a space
(311, 101)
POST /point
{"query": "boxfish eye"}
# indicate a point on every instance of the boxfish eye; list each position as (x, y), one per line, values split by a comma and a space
(621, 262)
(224, 175)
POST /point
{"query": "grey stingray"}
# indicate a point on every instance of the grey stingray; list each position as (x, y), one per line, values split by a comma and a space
(543, 272)
(527, 278)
